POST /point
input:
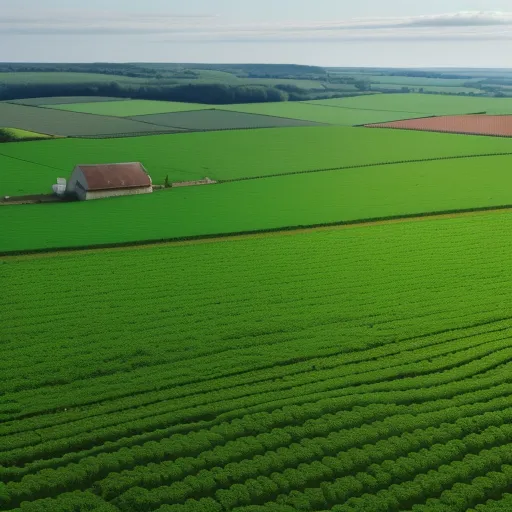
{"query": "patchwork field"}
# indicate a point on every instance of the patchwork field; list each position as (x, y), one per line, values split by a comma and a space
(128, 108)
(321, 113)
(204, 120)
(309, 373)
(56, 77)
(431, 104)
(346, 349)
(232, 154)
(427, 88)
(475, 125)
(56, 122)
(14, 134)
(292, 110)
(62, 100)
(262, 204)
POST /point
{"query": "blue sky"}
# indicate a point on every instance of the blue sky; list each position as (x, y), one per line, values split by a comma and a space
(398, 33)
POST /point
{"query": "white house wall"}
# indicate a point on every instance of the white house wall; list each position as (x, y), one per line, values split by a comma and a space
(100, 194)
(77, 176)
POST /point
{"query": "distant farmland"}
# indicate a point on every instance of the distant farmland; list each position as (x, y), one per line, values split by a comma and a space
(62, 100)
(56, 122)
(326, 328)
(128, 108)
(475, 125)
(284, 150)
(427, 104)
(220, 120)
(305, 111)
(321, 113)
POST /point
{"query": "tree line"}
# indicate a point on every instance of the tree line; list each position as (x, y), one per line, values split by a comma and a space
(214, 94)
(211, 94)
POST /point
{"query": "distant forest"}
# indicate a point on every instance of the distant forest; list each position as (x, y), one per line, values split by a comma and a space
(171, 82)
(218, 84)
(214, 94)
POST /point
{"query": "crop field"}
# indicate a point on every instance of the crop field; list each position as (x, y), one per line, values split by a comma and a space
(285, 150)
(291, 110)
(427, 88)
(321, 113)
(417, 81)
(128, 108)
(56, 77)
(409, 80)
(475, 125)
(14, 134)
(220, 120)
(62, 100)
(327, 328)
(426, 104)
(56, 122)
(283, 373)
(306, 199)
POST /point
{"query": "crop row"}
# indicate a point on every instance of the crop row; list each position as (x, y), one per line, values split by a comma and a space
(203, 449)
(444, 369)
(372, 466)
(218, 379)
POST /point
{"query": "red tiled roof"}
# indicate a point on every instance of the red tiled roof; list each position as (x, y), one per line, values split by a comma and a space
(109, 176)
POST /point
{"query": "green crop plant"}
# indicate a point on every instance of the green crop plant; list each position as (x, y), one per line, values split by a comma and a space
(290, 372)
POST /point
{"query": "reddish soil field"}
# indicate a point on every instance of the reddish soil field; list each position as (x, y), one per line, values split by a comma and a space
(499, 126)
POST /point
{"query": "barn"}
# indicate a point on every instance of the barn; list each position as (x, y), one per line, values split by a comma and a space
(108, 180)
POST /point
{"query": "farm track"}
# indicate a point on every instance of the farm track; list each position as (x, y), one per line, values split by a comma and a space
(308, 382)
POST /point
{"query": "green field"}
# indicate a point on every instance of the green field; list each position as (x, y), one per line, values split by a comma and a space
(56, 122)
(220, 120)
(432, 104)
(335, 370)
(62, 100)
(14, 134)
(293, 110)
(262, 204)
(326, 329)
(427, 88)
(320, 113)
(403, 80)
(129, 108)
(58, 77)
(418, 81)
(233, 154)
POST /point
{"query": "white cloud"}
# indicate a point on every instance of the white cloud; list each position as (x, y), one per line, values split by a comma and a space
(209, 28)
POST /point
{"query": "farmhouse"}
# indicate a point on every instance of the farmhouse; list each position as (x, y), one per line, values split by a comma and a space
(109, 180)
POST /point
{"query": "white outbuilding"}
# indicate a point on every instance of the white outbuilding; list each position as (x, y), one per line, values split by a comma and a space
(108, 180)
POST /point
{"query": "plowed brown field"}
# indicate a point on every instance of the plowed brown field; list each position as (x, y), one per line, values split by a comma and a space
(500, 126)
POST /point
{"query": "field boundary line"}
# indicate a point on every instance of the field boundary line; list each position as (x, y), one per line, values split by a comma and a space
(314, 123)
(258, 233)
(360, 166)
(34, 163)
(430, 130)
(427, 114)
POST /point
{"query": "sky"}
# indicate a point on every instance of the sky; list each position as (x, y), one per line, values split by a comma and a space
(345, 33)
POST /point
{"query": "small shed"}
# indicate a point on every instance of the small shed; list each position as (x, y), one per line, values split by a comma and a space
(109, 180)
